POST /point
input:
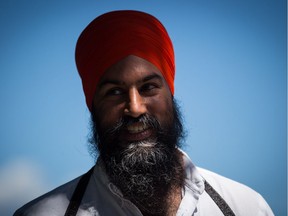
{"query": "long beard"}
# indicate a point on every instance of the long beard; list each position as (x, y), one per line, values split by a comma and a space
(144, 171)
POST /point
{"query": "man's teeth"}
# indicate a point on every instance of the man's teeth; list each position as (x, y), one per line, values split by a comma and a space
(136, 128)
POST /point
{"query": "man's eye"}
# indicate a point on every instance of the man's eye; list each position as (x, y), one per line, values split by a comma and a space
(114, 91)
(148, 87)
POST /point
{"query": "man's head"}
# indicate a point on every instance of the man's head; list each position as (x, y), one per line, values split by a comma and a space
(115, 35)
(129, 90)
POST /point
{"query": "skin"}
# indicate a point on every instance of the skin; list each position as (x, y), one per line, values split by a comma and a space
(132, 87)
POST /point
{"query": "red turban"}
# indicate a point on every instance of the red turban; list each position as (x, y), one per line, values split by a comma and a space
(115, 35)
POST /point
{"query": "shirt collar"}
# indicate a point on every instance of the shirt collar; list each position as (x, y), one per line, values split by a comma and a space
(194, 184)
(194, 187)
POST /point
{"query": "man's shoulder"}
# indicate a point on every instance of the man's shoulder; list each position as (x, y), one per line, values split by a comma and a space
(51, 203)
(226, 186)
(221, 182)
(242, 198)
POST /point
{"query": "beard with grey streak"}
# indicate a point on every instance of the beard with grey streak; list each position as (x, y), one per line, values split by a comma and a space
(144, 171)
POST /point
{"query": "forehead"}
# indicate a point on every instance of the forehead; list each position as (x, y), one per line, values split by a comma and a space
(131, 69)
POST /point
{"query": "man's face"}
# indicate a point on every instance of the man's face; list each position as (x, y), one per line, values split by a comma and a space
(129, 89)
(136, 126)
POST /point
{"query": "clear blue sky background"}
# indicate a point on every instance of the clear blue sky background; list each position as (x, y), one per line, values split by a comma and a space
(230, 81)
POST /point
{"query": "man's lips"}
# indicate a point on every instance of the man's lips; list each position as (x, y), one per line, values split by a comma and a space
(136, 132)
(136, 128)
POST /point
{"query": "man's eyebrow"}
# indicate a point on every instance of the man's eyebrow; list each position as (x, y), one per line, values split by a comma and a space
(118, 82)
(110, 81)
(152, 76)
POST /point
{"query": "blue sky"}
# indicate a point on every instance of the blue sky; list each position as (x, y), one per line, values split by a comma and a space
(230, 82)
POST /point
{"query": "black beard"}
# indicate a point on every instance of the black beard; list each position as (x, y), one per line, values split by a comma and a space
(144, 171)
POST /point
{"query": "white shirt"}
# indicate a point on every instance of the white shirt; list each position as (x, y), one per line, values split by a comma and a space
(103, 198)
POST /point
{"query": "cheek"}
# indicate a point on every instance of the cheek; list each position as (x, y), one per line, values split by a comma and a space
(161, 108)
(108, 115)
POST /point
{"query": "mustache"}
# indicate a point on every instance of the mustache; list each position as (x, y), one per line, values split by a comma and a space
(125, 121)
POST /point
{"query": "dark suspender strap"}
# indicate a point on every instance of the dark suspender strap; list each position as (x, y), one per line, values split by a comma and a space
(220, 202)
(78, 194)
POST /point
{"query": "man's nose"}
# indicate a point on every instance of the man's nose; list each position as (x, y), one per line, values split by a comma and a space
(136, 104)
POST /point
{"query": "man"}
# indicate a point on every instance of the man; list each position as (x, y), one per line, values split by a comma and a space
(126, 63)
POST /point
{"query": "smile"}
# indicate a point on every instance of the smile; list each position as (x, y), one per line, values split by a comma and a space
(136, 132)
(136, 128)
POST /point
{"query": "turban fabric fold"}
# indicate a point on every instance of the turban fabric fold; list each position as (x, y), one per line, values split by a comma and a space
(115, 35)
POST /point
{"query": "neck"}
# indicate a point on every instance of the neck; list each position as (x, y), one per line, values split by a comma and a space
(174, 200)
(155, 188)
(167, 198)
(168, 206)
